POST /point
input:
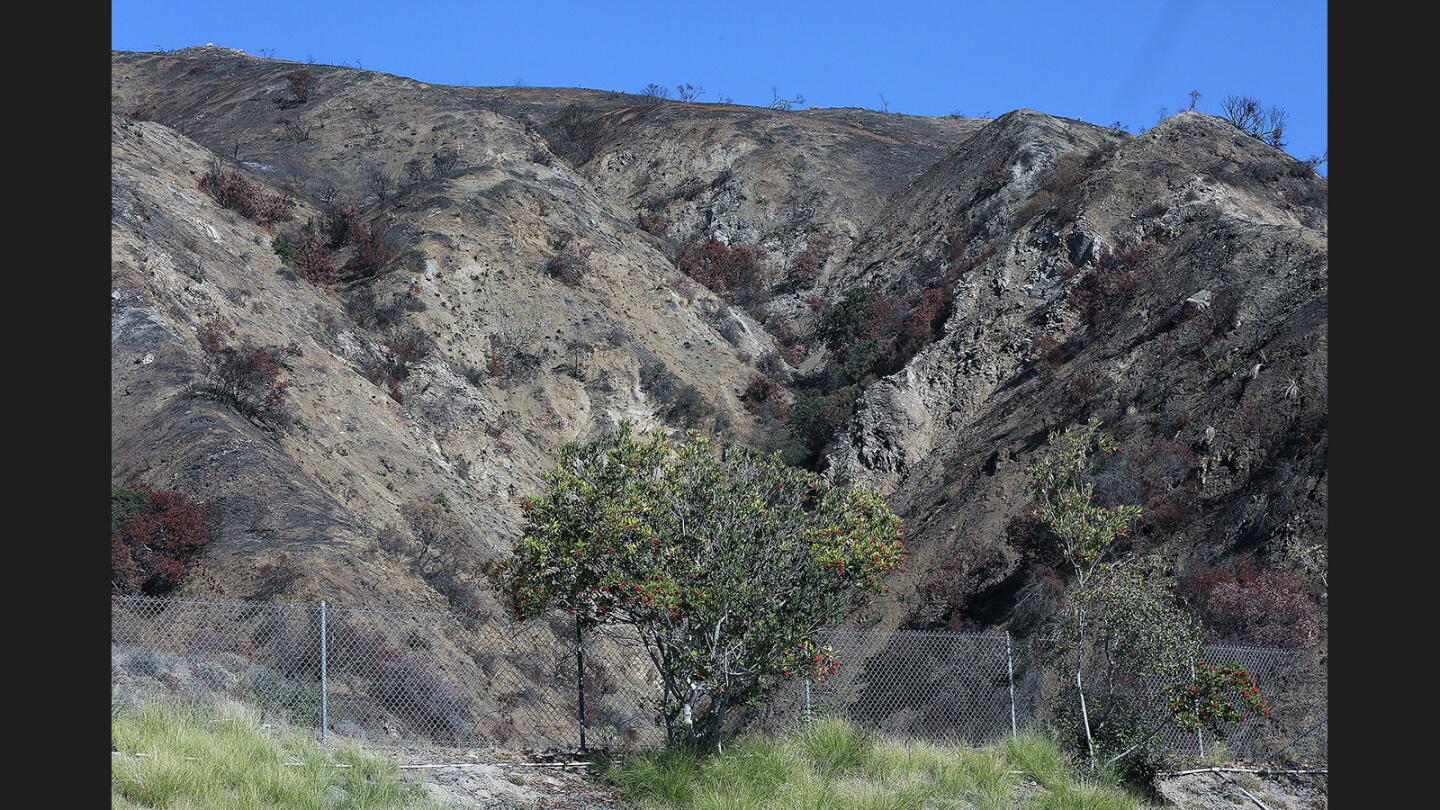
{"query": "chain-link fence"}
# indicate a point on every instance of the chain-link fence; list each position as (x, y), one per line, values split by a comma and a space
(418, 677)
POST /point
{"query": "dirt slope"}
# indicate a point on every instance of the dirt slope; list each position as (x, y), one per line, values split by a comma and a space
(1172, 284)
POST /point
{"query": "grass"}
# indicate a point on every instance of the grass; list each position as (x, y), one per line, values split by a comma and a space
(221, 758)
(833, 765)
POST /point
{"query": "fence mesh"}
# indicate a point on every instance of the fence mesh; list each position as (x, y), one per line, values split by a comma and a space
(418, 677)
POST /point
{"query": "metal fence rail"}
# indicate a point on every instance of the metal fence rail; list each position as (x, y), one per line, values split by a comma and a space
(422, 677)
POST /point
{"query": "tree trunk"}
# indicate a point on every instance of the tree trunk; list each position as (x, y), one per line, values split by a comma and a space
(1079, 677)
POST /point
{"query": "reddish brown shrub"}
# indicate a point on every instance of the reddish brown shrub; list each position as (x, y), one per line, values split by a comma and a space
(1165, 464)
(1080, 391)
(342, 220)
(235, 190)
(806, 265)
(154, 534)
(372, 249)
(654, 223)
(311, 256)
(1119, 274)
(571, 265)
(1270, 606)
(245, 377)
(1168, 514)
(924, 322)
(794, 353)
(733, 271)
(299, 82)
(1047, 351)
(764, 395)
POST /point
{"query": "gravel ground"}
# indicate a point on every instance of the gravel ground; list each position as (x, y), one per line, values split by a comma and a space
(1220, 791)
(484, 778)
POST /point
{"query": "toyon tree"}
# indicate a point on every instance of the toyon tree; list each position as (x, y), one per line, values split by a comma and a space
(726, 563)
(1121, 611)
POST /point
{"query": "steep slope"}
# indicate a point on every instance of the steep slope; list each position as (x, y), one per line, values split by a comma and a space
(512, 361)
(1040, 270)
(1171, 285)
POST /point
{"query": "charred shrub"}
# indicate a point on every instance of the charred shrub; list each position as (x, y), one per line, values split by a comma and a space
(1249, 605)
(654, 223)
(298, 84)
(678, 403)
(404, 346)
(574, 134)
(341, 221)
(571, 265)
(246, 377)
(1080, 392)
(154, 534)
(1118, 276)
(416, 693)
(733, 271)
(951, 587)
(233, 189)
(806, 265)
(508, 358)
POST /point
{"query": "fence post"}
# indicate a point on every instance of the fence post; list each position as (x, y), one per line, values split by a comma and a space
(1200, 731)
(580, 680)
(324, 677)
(1010, 676)
(808, 710)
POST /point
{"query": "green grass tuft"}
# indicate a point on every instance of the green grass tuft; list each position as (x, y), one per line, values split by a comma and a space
(833, 765)
(214, 758)
(833, 746)
(1038, 756)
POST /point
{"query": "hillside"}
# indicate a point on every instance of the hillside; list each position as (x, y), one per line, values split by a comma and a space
(918, 300)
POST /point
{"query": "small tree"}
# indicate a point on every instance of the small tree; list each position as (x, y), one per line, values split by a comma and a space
(725, 564)
(1125, 610)
(444, 161)
(1084, 530)
(1142, 636)
(778, 103)
(655, 91)
(1247, 113)
(688, 91)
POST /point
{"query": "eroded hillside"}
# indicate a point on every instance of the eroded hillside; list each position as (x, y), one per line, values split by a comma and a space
(919, 300)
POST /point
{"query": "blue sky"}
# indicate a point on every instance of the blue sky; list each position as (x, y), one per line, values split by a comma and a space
(1100, 61)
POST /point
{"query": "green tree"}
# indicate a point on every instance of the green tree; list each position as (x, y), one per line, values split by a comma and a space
(1142, 636)
(1085, 530)
(725, 563)
(1124, 610)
